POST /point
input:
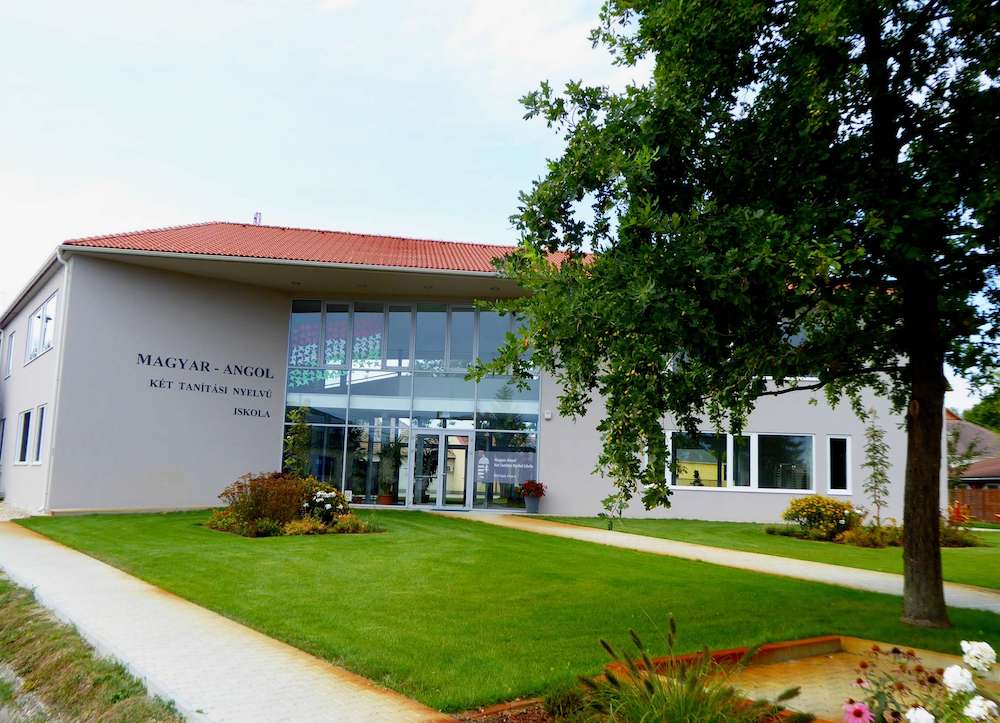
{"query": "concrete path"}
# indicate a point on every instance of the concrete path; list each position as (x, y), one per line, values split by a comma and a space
(956, 595)
(212, 668)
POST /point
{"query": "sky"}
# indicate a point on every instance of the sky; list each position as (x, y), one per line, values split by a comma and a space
(397, 117)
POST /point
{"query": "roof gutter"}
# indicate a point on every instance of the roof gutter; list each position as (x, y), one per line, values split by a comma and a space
(72, 249)
(36, 280)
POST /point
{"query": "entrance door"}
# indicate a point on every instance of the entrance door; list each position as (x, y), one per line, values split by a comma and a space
(440, 468)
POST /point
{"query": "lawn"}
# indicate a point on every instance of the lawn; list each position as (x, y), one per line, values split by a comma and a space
(970, 565)
(457, 613)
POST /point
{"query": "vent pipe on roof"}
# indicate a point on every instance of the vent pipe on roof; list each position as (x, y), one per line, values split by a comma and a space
(256, 219)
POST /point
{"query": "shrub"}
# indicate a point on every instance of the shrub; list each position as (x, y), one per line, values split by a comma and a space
(324, 502)
(350, 524)
(956, 536)
(223, 520)
(305, 526)
(273, 496)
(821, 517)
(675, 690)
(264, 527)
(872, 536)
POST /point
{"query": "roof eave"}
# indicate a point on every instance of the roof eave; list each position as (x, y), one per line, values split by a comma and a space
(75, 249)
(39, 278)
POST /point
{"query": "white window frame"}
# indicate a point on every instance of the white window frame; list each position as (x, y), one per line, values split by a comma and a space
(41, 412)
(849, 477)
(3, 437)
(754, 473)
(31, 351)
(20, 437)
(8, 361)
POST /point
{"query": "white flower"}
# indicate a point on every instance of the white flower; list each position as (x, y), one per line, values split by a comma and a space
(919, 715)
(306, 505)
(328, 506)
(979, 655)
(958, 679)
(979, 708)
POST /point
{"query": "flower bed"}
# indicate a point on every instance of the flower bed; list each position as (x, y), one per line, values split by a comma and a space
(273, 504)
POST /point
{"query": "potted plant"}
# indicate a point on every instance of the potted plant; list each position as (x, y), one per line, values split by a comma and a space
(532, 492)
(392, 455)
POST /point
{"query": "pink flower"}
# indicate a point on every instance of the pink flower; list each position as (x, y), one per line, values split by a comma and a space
(857, 713)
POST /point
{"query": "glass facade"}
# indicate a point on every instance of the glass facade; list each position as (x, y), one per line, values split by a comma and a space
(394, 420)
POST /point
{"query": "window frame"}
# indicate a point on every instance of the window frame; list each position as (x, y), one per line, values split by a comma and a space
(29, 356)
(39, 432)
(3, 437)
(23, 437)
(731, 485)
(848, 476)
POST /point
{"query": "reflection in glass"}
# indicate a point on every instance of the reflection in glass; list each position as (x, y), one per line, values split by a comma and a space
(322, 391)
(426, 461)
(337, 334)
(456, 468)
(377, 464)
(838, 463)
(327, 455)
(741, 461)
(304, 333)
(443, 400)
(492, 333)
(461, 338)
(430, 335)
(700, 459)
(784, 461)
(398, 333)
(369, 323)
(503, 461)
(502, 405)
(380, 396)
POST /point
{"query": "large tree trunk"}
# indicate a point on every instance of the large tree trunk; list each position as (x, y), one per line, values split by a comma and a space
(923, 588)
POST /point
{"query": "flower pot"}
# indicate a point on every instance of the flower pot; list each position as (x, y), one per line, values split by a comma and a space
(531, 504)
(386, 499)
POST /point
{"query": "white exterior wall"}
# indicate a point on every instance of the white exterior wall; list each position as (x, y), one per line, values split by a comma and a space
(568, 452)
(123, 441)
(30, 385)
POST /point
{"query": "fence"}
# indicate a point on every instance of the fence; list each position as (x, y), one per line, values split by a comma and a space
(983, 504)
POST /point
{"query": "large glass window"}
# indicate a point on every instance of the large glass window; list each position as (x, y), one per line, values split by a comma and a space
(503, 405)
(377, 464)
(398, 335)
(784, 461)
(461, 338)
(503, 462)
(369, 325)
(322, 392)
(493, 330)
(741, 461)
(443, 400)
(337, 333)
(327, 454)
(699, 460)
(380, 397)
(305, 334)
(432, 324)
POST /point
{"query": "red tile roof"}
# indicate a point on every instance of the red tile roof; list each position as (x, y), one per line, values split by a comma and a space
(299, 244)
(988, 468)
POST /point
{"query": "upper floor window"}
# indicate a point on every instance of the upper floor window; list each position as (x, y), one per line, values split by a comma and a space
(41, 329)
(8, 363)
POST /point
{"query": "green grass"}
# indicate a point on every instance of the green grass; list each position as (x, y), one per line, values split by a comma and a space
(458, 613)
(969, 565)
(987, 525)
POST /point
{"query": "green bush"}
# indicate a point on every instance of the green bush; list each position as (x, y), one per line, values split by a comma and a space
(324, 502)
(223, 520)
(273, 496)
(264, 527)
(305, 526)
(350, 524)
(873, 536)
(957, 536)
(822, 518)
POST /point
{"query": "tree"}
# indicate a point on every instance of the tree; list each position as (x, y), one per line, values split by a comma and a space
(298, 443)
(876, 484)
(987, 412)
(802, 189)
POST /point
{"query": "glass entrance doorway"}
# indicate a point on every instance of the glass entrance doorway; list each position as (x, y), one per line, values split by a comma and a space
(440, 468)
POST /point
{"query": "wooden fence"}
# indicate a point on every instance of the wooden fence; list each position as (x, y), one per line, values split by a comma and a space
(983, 504)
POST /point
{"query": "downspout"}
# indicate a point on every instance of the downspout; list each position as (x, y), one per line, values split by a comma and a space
(61, 352)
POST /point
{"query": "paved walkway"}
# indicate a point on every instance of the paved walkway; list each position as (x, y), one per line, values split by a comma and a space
(956, 595)
(213, 669)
